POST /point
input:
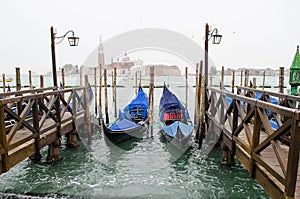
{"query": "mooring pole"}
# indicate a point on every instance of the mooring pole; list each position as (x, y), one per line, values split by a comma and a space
(115, 91)
(80, 76)
(63, 82)
(140, 83)
(281, 80)
(30, 80)
(246, 78)
(222, 78)
(100, 89)
(186, 87)
(196, 99)
(232, 82)
(95, 86)
(106, 97)
(264, 78)
(18, 88)
(203, 103)
(151, 98)
(136, 87)
(87, 109)
(241, 83)
(3, 81)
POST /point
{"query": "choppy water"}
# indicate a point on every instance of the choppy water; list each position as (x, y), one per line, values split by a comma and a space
(145, 168)
(82, 174)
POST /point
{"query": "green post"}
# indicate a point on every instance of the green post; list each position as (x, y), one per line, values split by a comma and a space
(295, 73)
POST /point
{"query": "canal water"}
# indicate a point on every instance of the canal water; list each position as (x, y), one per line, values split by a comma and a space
(144, 168)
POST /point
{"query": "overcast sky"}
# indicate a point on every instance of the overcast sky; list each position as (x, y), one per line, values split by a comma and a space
(255, 33)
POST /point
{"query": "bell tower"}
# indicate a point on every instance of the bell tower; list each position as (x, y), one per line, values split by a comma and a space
(100, 53)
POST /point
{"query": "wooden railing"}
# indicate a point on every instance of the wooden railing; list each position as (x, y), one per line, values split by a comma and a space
(270, 153)
(35, 113)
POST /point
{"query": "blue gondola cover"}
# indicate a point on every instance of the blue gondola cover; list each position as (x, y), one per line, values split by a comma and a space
(123, 124)
(169, 100)
(139, 105)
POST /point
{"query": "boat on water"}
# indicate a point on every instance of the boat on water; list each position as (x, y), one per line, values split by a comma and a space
(7, 80)
(177, 126)
(131, 122)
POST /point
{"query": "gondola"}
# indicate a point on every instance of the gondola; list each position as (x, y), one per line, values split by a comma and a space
(177, 126)
(131, 123)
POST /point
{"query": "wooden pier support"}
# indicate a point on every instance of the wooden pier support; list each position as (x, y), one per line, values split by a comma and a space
(100, 89)
(115, 92)
(106, 97)
(186, 87)
(151, 100)
(281, 79)
(95, 91)
(30, 80)
(3, 82)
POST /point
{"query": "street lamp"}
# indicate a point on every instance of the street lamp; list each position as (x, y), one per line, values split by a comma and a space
(216, 39)
(73, 41)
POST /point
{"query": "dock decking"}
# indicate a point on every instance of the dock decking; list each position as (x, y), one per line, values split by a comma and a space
(270, 152)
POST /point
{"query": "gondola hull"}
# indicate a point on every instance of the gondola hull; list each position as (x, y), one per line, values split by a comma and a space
(179, 140)
(118, 136)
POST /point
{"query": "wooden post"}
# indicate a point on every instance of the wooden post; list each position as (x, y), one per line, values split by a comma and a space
(18, 79)
(293, 158)
(196, 116)
(35, 116)
(210, 77)
(151, 98)
(241, 83)
(18, 88)
(202, 96)
(264, 78)
(63, 78)
(3, 141)
(140, 83)
(87, 109)
(136, 82)
(3, 81)
(246, 78)
(222, 78)
(115, 91)
(42, 82)
(254, 82)
(63, 82)
(281, 80)
(41, 90)
(232, 82)
(80, 76)
(30, 80)
(100, 89)
(186, 87)
(255, 141)
(95, 82)
(72, 136)
(106, 97)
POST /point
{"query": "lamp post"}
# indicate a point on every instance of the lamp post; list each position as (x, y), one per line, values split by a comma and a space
(216, 39)
(53, 152)
(73, 41)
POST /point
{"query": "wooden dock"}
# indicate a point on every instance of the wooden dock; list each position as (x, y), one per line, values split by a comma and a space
(269, 151)
(33, 119)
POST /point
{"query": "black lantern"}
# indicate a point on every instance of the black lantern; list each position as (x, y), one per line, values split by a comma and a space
(73, 41)
(216, 38)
